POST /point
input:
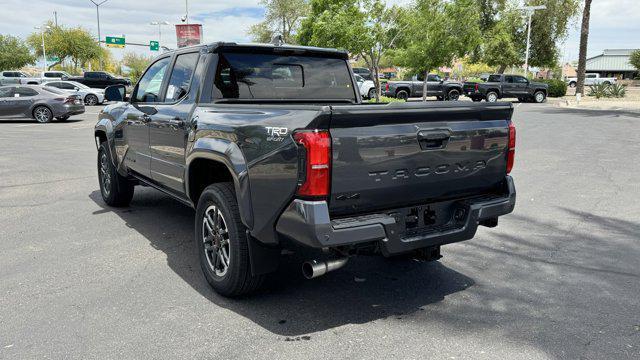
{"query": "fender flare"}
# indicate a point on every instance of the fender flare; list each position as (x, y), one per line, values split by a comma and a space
(106, 127)
(229, 154)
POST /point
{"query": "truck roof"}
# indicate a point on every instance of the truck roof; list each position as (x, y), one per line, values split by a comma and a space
(284, 48)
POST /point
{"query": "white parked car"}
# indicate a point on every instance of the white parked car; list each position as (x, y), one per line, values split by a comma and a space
(89, 95)
(367, 87)
(591, 79)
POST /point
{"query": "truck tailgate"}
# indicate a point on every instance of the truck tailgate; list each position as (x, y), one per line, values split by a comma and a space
(384, 156)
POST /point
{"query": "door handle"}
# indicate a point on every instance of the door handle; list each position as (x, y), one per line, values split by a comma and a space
(176, 123)
(433, 139)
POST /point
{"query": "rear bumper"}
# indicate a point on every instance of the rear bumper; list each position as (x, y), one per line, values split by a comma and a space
(309, 223)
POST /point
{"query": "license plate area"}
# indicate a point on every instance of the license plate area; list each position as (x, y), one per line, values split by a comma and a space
(423, 220)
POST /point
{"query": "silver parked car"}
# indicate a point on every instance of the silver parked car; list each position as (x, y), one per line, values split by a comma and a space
(90, 96)
(41, 103)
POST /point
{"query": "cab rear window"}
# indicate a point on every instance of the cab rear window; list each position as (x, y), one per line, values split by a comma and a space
(282, 77)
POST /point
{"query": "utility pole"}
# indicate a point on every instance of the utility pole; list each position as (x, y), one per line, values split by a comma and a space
(186, 5)
(530, 10)
(55, 16)
(44, 51)
(159, 23)
(97, 4)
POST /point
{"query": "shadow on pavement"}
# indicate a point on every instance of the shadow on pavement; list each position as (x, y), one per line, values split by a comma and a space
(589, 112)
(367, 289)
(32, 121)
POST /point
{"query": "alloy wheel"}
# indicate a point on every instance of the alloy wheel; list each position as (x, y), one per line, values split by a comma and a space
(215, 236)
(42, 114)
(91, 100)
(105, 174)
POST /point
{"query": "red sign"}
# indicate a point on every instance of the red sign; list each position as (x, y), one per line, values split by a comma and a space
(188, 34)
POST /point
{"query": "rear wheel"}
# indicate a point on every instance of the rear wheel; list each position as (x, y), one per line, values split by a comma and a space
(372, 93)
(116, 190)
(453, 95)
(42, 114)
(90, 100)
(492, 96)
(222, 242)
(402, 94)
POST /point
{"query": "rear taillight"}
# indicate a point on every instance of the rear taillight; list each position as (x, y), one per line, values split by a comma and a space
(476, 87)
(314, 180)
(69, 100)
(512, 147)
(386, 86)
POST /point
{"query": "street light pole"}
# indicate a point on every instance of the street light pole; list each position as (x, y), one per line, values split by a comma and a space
(159, 23)
(97, 4)
(530, 10)
(44, 51)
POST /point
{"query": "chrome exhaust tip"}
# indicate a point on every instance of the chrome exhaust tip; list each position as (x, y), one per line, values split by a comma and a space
(314, 268)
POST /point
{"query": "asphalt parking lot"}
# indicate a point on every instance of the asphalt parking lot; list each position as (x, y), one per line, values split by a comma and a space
(557, 279)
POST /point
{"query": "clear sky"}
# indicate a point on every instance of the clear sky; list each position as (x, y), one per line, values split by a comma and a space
(614, 23)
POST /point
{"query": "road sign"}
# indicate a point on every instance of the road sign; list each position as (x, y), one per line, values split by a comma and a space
(154, 45)
(116, 42)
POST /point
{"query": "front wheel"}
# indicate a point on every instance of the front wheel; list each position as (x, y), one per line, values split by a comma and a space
(539, 97)
(222, 242)
(116, 190)
(372, 93)
(453, 95)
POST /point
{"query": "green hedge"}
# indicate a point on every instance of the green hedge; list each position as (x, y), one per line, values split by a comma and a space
(384, 99)
(557, 88)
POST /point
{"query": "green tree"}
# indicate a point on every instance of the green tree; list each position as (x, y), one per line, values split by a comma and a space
(504, 43)
(14, 53)
(436, 32)
(282, 17)
(634, 59)
(75, 44)
(367, 29)
(136, 63)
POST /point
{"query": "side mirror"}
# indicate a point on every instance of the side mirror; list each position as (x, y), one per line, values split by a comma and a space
(115, 93)
(76, 88)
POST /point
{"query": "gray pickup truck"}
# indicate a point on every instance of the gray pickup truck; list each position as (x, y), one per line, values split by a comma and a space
(274, 149)
(414, 87)
(500, 86)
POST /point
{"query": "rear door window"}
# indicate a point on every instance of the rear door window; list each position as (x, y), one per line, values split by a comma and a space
(282, 77)
(494, 78)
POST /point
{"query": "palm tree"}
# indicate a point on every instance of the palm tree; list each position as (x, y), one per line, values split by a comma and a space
(584, 37)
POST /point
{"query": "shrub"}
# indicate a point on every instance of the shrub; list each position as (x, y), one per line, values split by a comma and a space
(474, 79)
(384, 100)
(599, 90)
(557, 88)
(617, 90)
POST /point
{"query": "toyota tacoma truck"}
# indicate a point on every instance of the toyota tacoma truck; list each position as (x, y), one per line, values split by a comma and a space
(273, 148)
(500, 86)
(98, 79)
(414, 87)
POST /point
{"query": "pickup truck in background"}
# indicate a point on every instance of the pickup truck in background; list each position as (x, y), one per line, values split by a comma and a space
(500, 86)
(273, 147)
(591, 79)
(98, 79)
(17, 78)
(441, 89)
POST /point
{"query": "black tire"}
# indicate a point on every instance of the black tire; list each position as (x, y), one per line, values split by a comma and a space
(492, 96)
(90, 100)
(606, 83)
(371, 93)
(62, 118)
(573, 84)
(237, 279)
(42, 114)
(453, 95)
(116, 190)
(402, 94)
(476, 99)
(539, 97)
